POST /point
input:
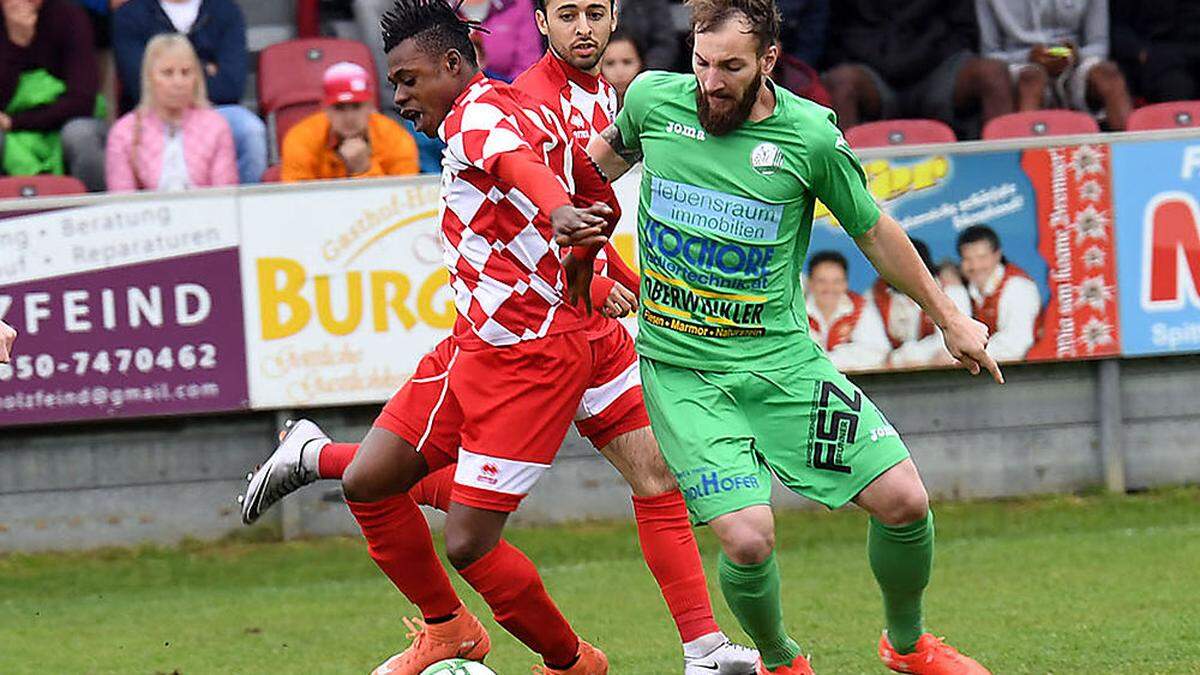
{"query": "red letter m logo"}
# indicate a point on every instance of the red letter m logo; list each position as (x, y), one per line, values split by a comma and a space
(1171, 252)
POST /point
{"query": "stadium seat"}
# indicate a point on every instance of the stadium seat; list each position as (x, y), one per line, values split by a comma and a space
(273, 174)
(40, 186)
(899, 132)
(1039, 123)
(289, 79)
(1172, 115)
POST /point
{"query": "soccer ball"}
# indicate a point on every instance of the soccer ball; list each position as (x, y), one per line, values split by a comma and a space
(458, 667)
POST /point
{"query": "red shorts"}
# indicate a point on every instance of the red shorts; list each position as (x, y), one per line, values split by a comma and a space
(500, 413)
(612, 404)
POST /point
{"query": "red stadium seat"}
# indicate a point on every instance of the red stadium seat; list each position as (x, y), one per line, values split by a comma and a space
(1173, 115)
(40, 186)
(1039, 123)
(289, 79)
(899, 132)
(273, 174)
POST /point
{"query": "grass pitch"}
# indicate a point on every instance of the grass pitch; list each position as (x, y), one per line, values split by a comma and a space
(1062, 585)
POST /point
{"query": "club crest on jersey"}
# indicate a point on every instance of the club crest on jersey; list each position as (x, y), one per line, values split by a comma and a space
(766, 158)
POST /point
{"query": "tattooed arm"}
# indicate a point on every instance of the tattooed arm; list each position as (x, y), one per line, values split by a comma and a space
(610, 153)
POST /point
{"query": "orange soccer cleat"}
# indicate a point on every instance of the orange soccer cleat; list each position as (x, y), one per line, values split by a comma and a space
(462, 637)
(591, 661)
(931, 657)
(799, 666)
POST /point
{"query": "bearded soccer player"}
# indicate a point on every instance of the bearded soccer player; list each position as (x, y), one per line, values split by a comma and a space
(735, 387)
(509, 382)
(611, 416)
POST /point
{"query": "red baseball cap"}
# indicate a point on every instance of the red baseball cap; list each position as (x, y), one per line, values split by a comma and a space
(347, 82)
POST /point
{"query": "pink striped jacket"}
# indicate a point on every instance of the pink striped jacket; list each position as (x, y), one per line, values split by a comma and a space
(207, 150)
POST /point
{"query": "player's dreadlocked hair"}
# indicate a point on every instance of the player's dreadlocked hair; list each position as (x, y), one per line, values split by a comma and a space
(762, 15)
(435, 24)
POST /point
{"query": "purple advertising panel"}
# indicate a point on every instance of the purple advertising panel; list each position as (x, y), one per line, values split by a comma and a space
(157, 337)
(125, 307)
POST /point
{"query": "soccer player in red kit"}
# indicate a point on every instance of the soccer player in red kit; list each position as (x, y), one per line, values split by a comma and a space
(517, 365)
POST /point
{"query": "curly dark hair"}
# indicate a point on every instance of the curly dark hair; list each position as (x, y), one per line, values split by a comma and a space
(435, 24)
(762, 16)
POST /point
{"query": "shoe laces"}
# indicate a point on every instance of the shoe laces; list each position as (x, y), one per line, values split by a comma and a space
(939, 646)
(415, 629)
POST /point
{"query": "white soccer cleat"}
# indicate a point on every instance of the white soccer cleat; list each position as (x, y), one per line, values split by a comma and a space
(284, 472)
(728, 658)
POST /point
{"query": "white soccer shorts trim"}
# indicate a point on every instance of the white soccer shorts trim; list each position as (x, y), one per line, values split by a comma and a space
(597, 399)
(506, 476)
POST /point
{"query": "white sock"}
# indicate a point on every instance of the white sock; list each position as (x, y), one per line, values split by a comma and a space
(704, 645)
(310, 455)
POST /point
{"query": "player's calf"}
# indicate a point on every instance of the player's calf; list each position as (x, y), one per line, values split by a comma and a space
(636, 456)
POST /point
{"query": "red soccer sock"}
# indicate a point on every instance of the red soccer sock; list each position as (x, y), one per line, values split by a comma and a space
(669, 547)
(511, 586)
(334, 459)
(399, 542)
(434, 489)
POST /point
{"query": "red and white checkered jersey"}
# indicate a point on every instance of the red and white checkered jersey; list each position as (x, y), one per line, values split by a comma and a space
(588, 104)
(497, 241)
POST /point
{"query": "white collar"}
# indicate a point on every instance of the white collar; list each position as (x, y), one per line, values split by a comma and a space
(989, 286)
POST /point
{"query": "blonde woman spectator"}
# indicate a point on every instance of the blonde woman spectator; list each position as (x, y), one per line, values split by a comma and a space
(173, 140)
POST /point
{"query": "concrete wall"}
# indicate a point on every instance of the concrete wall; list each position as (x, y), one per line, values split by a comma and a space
(163, 480)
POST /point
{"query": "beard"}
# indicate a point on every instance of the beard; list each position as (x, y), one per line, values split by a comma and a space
(585, 64)
(721, 123)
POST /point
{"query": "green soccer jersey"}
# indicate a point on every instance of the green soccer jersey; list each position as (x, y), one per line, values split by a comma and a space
(724, 224)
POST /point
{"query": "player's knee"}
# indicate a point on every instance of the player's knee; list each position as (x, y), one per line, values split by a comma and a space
(749, 547)
(906, 507)
(464, 547)
(358, 486)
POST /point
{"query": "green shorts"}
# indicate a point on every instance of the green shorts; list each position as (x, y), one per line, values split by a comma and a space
(724, 434)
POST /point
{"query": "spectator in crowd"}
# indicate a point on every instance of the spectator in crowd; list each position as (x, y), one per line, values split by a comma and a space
(804, 28)
(7, 337)
(349, 138)
(512, 42)
(846, 326)
(650, 24)
(48, 87)
(1056, 52)
(1003, 296)
(367, 15)
(915, 340)
(622, 62)
(912, 59)
(217, 31)
(173, 140)
(801, 46)
(1157, 45)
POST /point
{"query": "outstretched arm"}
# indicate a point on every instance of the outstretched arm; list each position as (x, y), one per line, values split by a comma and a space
(891, 252)
(610, 153)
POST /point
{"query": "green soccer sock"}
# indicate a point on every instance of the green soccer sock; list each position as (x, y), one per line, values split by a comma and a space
(901, 559)
(753, 594)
